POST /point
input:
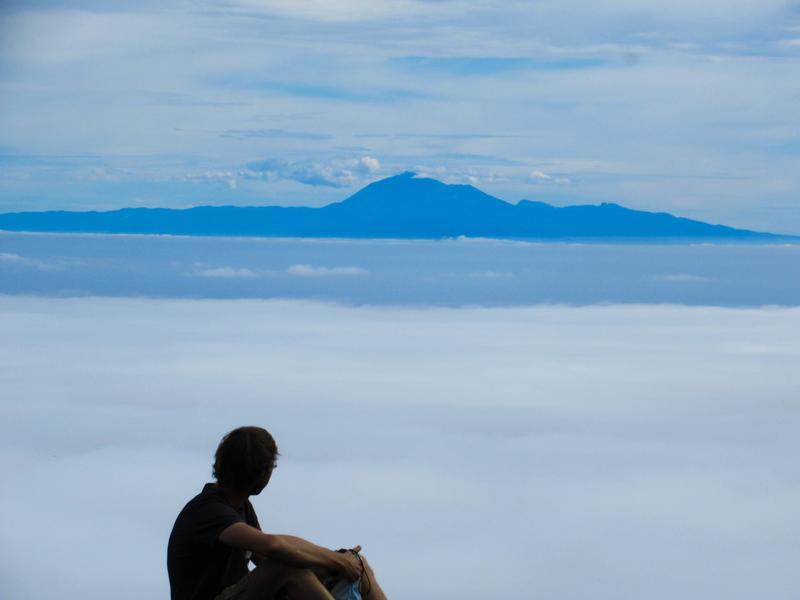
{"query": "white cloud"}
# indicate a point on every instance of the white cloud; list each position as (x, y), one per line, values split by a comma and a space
(333, 11)
(585, 443)
(791, 43)
(366, 164)
(226, 272)
(312, 271)
(229, 178)
(537, 176)
(15, 260)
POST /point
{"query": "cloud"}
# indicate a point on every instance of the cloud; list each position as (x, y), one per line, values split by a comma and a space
(226, 272)
(274, 134)
(491, 275)
(14, 259)
(548, 430)
(537, 176)
(333, 11)
(335, 173)
(477, 176)
(683, 278)
(334, 93)
(312, 271)
(367, 164)
(471, 66)
(229, 178)
(384, 12)
(9, 259)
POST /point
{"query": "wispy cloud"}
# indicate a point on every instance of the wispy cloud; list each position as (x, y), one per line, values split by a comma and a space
(337, 173)
(326, 11)
(226, 272)
(50, 160)
(537, 176)
(483, 65)
(444, 136)
(294, 270)
(314, 271)
(11, 260)
(491, 275)
(274, 134)
(322, 91)
(683, 278)
(189, 100)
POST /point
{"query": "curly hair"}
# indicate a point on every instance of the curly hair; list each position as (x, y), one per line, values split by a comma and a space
(243, 455)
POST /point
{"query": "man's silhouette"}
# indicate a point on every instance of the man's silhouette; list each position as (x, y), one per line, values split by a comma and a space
(217, 533)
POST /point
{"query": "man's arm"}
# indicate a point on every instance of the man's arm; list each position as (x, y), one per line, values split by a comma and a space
(291, 550)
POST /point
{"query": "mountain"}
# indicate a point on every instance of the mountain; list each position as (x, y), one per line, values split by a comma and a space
(403, 206)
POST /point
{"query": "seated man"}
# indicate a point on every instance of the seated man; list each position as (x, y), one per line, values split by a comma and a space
(217, 533)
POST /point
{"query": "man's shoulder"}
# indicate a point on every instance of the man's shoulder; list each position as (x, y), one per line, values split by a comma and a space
(210, 493)
(204, 516)
(210, 497)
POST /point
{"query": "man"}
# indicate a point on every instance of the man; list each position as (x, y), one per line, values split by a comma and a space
(217, 533)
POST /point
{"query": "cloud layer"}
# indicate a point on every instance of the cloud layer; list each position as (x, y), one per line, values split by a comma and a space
(607, 452)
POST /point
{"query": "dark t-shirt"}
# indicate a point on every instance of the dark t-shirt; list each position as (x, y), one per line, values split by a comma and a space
(199, 565)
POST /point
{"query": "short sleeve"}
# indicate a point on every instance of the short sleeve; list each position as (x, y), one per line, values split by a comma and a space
(212, 519)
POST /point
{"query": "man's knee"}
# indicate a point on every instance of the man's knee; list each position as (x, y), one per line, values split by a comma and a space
(299, 580)
(299, 573)
(275, 580)
(274, 574)
(367, 567)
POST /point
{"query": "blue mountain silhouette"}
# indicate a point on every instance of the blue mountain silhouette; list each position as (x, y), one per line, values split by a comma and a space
(402, 206)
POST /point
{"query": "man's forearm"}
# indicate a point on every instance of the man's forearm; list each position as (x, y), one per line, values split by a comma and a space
(297, 552)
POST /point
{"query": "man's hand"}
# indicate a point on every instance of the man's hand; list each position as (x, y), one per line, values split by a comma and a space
(350, 566)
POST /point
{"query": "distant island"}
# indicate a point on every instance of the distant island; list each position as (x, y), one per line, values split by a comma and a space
(403, 206)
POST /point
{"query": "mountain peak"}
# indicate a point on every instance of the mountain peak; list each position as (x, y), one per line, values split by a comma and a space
(408, 189)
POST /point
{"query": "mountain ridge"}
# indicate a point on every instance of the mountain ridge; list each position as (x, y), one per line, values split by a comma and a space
(402, 206)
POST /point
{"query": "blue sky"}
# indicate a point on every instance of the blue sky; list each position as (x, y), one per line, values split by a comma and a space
(683, 106)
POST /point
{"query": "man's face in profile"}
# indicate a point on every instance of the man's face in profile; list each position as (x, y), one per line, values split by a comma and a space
(261, 483)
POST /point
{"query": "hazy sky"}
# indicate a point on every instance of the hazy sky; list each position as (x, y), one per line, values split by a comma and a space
(549, 452)
(684, 106)
(456, 272)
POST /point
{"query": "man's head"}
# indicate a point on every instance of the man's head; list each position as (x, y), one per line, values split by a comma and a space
(245, 459)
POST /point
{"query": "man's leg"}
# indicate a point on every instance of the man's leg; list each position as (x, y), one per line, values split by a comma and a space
(274, 581)
(370, 590)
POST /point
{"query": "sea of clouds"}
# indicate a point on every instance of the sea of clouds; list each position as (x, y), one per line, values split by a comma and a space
(605, 452)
